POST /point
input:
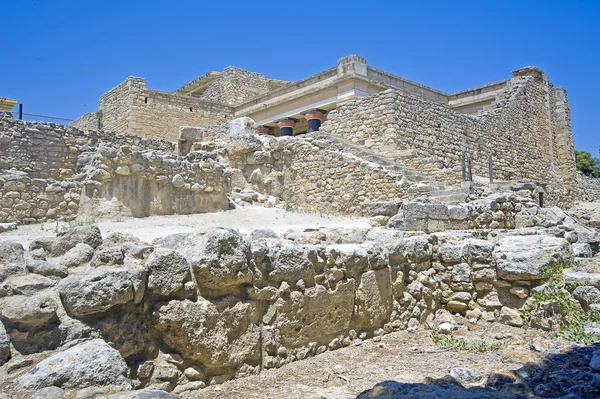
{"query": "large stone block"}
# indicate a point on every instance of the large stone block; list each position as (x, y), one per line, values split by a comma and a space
(219, 257)
(220, 334)
(99, 290)
(317, 315)
(374, 299)
(526, 257)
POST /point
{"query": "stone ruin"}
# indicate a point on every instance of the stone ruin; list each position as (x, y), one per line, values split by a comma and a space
(113, 314)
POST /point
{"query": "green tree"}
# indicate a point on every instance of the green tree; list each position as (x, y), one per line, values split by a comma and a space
(587, 164)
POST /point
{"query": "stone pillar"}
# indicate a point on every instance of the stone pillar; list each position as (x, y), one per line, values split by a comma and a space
(314, 117)
(261, 130)
(286, 126)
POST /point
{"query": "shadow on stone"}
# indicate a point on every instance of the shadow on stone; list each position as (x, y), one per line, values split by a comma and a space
(571, 375)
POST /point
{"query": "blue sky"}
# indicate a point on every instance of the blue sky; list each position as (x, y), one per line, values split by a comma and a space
(59, 56)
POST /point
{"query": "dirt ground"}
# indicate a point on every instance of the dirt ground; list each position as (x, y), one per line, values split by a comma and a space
(244, 219)
(343, 374)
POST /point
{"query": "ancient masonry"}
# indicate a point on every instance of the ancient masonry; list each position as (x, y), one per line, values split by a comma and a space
(196, 309)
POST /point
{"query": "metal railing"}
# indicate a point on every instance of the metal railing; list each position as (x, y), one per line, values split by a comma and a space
(20, 115)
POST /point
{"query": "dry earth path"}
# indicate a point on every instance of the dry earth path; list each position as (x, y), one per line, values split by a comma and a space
(343, 374)
(244, 219)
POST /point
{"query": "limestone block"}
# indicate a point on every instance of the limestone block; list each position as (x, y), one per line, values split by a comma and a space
(220, 334)
(317, 315)
(526, 257)
(374, 299)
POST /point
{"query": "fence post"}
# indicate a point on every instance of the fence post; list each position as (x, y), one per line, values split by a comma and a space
(469, 171)
(491, 168)
(464, 167)
(20, 112)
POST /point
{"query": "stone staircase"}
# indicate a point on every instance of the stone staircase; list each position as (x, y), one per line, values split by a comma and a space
(421, 184)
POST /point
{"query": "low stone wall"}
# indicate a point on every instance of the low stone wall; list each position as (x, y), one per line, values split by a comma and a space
(48, 150)
(119, 181)
(310, 175)
(221, 305)
(26, 200)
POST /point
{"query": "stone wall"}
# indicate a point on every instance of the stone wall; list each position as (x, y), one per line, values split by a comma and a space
(48, 150)
(87, 121)
(122, 182)
(527, 131)
(131, 107)
(591, 187)
(310, 175)
(27, 200)
(55, 172)
(236, 86)
(200, 308)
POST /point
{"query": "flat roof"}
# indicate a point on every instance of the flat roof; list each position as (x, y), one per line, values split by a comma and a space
(6, 104)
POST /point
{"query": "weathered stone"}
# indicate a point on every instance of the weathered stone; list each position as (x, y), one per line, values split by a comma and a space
(99, 290)
(168, 271)
(89, 235)
(27, 311)
(4, 345)
(45, 268)
(466, 375)
(512, 317)
(317, 315)
(219, 257)
(28, 284)
(77, 256)
(587, 295)
(220, 334)
(12, 259)
(374, 298)
(147, 393)
(385, 208)
(91, 363)
(526, 257)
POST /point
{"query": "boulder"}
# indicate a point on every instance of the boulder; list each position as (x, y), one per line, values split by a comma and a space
(108, 256)
(526, 257)
(77, 256)
(219, 257)
(220, 334)
(89, 235)
(88, 364)
(27, 312)
(99, 290)
(4, 345)
(259, 234)
(448, 390)
(383, 208)
(587, 295)
(46, 268)
(167, 271)
(12, 259)
(243, 125)
(49, 393)
(27, 284)
(290, 263)
(582, 250)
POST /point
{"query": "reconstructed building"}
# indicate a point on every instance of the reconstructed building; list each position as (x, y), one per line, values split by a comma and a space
(521, 125)
(217, 97)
